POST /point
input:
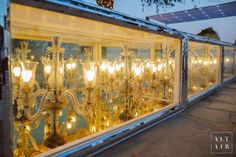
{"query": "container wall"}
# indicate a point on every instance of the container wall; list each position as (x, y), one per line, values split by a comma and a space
(204, 67)
(229, 63)
(72, 77)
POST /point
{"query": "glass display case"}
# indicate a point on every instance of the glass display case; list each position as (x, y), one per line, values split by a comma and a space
(229, 63)
(203, 67)
(72, 77)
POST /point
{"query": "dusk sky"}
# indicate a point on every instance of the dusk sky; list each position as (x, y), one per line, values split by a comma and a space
(225, 27)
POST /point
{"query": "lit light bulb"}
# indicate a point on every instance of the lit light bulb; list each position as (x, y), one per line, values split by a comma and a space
(73, 65)
(48, 69)
(159, 67)
(26, 75)
(73, 119)
(205, 62)
(90, 75)
(227, 59)
(93, 129)
(117, 67)
(60, 113)
(17, 71)
(111, 70)
(170, 62)
(69, 66)
(142, 68)
(108, 124)
(61, 70)
(122, 65)
(137, 71)
(154, 68)
(200, 61)
(27, 127)
(103, 66)
(69, 126)
(214, 61)
(148, 65)
(193, 61)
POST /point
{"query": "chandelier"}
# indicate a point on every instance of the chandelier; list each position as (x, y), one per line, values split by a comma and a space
(106, 3)
(107, 93)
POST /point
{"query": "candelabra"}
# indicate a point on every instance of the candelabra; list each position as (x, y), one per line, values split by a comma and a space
(202, 70)
(108, 93)
(53, 98)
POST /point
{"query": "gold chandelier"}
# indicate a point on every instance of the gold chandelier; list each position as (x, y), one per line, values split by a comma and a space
(106, 3)
(109, 93)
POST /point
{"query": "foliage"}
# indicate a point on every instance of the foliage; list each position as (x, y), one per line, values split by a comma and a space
(209, 33)
(160, 3)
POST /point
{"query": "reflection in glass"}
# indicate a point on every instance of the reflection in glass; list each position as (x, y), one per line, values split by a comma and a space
(83, 80)
(203, 65)
(229, 62)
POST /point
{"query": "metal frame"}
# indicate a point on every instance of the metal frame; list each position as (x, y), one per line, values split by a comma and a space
(90, 11)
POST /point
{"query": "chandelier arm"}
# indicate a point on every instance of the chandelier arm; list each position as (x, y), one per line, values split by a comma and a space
(47, 118)
(31, 139)
(44, 94)
(76, 104)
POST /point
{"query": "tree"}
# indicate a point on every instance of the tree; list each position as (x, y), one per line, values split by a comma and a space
(160, 3)
(209, 33)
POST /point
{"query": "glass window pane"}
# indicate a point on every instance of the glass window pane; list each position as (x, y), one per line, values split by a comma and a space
(203, 67)
(72, 77)
(229, 62)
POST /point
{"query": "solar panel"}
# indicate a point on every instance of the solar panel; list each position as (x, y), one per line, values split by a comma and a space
(210, 12)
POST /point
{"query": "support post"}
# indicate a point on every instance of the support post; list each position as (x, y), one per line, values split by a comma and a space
(184, 72)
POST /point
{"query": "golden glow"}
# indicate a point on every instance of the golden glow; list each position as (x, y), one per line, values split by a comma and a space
(71, 66)
(137, 71)
(200, 61)
(69, 125)
(16, 71)
(118, 67)
(111, 69)
(48, 69)
(154, 68)
(201, 72)
(215, 61)
(26, 75)
(61, 70)
(148, 64)
(73, 119)
(102, 86)
(90, 75)
(103, 66)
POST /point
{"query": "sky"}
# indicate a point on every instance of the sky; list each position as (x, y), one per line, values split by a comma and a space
(225, 27)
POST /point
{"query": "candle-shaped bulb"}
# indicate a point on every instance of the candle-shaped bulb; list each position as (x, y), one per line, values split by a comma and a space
(103, 66)
(16, 71)
(48, 69)
(111, 70)
(26, 75)
(137, 71)
(90, 75)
